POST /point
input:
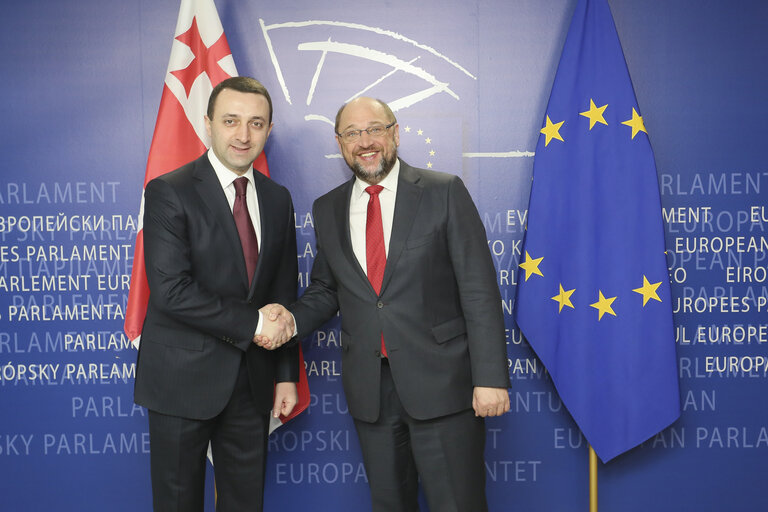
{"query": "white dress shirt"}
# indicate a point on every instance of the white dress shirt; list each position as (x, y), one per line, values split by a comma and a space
(227, 179)
(358, 212)
(358, 215)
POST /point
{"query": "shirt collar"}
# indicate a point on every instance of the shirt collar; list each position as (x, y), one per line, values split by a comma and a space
(225, 176)
(389, 182)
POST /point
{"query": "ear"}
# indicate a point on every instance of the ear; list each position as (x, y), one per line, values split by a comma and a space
(208, 126)
(397, 135)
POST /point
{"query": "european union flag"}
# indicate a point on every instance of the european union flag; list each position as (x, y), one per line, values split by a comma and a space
(593, 293)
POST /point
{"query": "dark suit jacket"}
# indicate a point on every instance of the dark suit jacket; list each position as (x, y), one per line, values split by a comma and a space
(439, 307)
(202, 314)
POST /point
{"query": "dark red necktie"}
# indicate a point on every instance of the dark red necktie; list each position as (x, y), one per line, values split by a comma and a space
(375, 253)
(245, 227)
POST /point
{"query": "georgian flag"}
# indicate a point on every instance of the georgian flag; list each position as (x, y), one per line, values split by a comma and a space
(200, 59)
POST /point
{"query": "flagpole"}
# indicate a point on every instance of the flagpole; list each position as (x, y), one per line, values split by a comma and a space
(592, 480)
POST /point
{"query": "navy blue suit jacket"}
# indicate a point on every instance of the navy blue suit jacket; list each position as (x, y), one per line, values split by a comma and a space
(202, 313)
(439, 306)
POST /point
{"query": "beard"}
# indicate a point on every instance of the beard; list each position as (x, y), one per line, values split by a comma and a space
(377, 174)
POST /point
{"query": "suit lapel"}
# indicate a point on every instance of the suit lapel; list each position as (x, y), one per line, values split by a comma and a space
(406, 206)
(267, 212)
(209, 189)
(341, 219)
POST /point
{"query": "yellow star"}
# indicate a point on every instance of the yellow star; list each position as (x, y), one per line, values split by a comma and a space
(428, 140)
(431, 152)
(407, 129)
(604, 306)
(429, 165)
(420, 132)
(595, 114)
(648, 291)
(564, 298)
(531, 266)
(552, 131)
(636, 123)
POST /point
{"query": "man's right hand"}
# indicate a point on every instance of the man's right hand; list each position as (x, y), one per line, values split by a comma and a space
(277, 327)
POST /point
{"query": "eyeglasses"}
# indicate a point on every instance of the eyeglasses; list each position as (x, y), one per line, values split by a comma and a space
(350, 136)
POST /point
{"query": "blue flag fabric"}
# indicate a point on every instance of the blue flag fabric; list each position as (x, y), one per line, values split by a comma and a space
(593, 287)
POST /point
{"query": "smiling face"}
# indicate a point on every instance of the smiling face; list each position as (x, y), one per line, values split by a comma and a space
(239, 128)
(370, 158)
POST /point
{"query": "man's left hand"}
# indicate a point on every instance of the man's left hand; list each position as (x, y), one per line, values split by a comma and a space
(286, 397)
(490, 401)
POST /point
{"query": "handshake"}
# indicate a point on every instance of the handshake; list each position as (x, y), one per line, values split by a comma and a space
(277, 327)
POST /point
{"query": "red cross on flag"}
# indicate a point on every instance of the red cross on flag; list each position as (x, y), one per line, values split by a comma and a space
(200, 59)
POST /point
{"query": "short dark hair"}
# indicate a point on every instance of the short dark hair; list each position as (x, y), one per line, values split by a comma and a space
(239, 84)
(390, 114)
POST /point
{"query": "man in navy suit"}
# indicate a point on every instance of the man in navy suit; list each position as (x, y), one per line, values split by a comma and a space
(403, 254)
(219, 244)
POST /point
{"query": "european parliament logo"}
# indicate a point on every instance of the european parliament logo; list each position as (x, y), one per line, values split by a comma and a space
(320, 64)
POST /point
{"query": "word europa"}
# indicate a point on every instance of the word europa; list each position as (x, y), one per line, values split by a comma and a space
(732, 364)
(695, 368)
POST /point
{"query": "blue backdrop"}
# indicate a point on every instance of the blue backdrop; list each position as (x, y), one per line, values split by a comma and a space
(81, 84)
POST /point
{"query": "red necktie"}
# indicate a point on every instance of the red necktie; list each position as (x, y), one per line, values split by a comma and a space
(245, 227)
(375, 253)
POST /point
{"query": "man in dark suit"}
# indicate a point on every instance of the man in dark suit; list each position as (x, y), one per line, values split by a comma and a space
(219, 243)
(403, 254)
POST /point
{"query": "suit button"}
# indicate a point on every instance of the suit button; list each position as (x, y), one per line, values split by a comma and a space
(379, 304)
(378, 353)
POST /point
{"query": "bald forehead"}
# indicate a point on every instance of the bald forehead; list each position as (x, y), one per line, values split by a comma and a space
(365, 102)
(362, 112)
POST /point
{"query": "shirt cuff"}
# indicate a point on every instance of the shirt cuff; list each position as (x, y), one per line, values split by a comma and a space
(259, 325)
